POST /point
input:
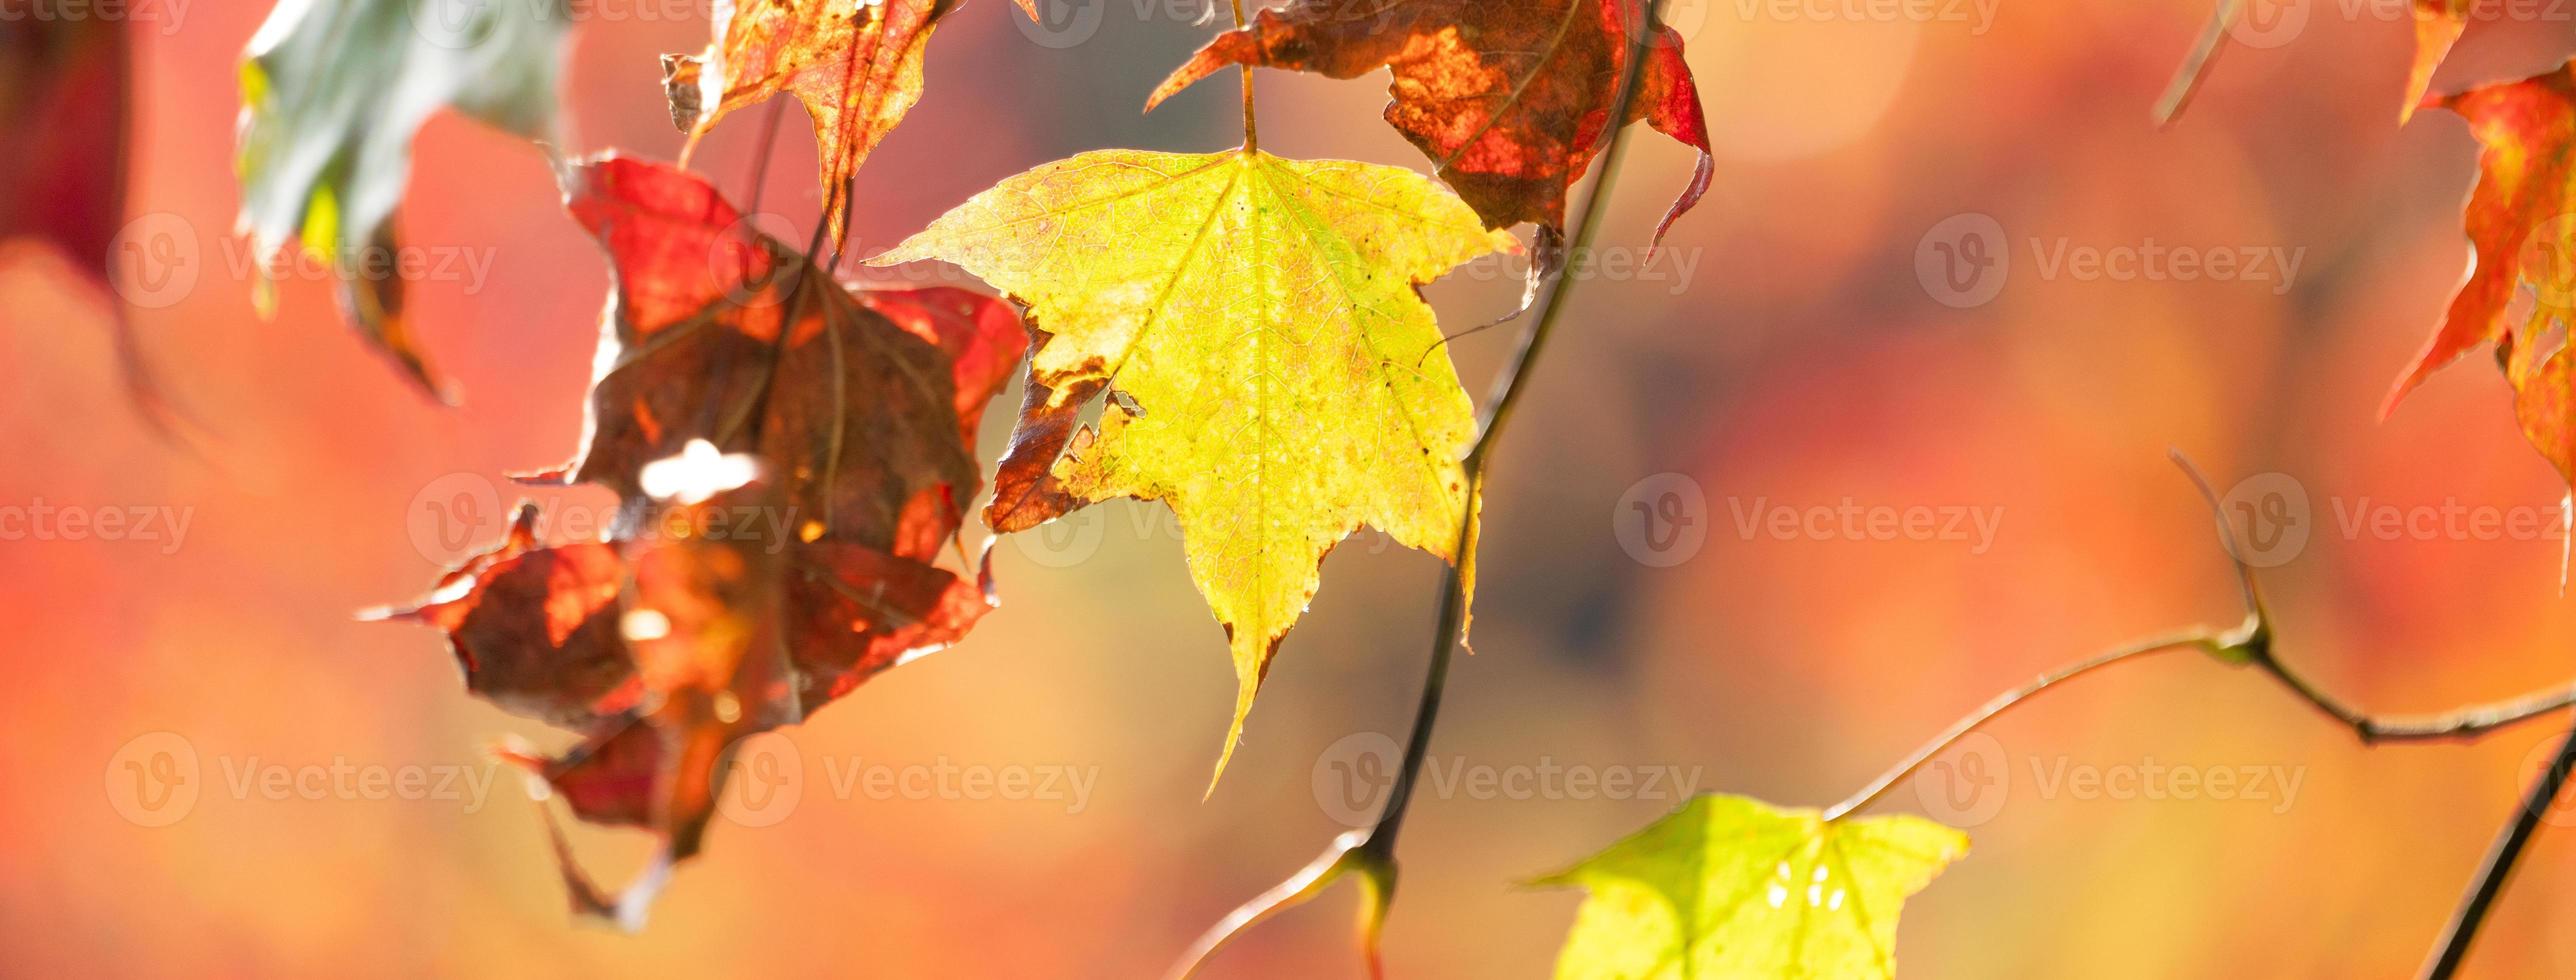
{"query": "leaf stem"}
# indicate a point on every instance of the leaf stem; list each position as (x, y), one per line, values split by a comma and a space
(2499, 865)
(1251, 126)
(760, 155)
(804, 272)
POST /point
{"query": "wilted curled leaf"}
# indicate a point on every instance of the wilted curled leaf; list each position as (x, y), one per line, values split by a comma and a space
(864, 401)
(1730, 887)
(726, 605)
(1510, 98)
(705, 633)
(535, 629)
(863, 404)
(1281, 381)
(855, 65)
(332, 93)
(2521, 223)
(665, 650)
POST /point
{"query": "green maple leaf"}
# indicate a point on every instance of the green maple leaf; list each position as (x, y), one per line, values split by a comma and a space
(1734, 887)
(332, 91)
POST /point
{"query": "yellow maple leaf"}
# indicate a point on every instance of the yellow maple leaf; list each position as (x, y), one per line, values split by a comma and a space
(1278, 379)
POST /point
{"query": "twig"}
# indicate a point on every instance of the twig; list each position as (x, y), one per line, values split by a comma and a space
(2460, 723)
(1507, 395)
(1508, 390)
(2195, 66)
(2254, 648)
(2004, 702)
(2250, 644)
(1370, 853)
(2499, 864)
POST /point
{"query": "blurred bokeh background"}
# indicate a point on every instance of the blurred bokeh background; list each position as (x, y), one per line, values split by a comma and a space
(1801, 345)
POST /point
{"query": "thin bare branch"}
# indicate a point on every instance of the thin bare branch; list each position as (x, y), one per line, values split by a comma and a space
(2250, 644)
(2492, 875)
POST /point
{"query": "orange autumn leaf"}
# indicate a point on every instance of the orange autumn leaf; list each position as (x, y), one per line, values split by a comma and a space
(864, 399)
(2521, 224)
(2438, 26)
(856, 67)
(1509, 98)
